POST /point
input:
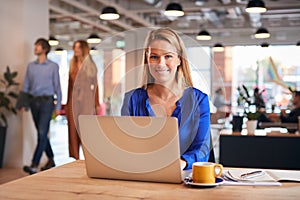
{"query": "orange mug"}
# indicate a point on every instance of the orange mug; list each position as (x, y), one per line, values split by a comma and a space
(206, 172)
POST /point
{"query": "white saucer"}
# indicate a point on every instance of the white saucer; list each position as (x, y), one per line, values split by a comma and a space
(219, 181)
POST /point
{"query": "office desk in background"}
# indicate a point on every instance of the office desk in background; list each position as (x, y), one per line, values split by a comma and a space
(272, 150)
(71, 182)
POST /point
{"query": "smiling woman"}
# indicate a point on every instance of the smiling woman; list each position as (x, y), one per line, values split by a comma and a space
(167, 90)
(163, 61)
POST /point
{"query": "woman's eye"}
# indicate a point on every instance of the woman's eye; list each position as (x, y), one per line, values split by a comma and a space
(168, 56)
(153, 57)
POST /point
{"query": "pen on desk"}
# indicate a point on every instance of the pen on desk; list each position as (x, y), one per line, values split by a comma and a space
(252, 174)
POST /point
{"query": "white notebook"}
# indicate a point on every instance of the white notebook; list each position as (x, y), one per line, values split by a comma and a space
(263, 177)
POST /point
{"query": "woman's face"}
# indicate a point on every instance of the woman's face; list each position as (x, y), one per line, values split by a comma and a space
(163, 61)
(77, 50)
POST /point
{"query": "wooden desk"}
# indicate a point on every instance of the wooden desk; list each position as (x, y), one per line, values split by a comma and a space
(71, 182)
(273, 150)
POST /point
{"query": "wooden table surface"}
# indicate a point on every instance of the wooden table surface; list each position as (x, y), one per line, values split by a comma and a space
(71, 182)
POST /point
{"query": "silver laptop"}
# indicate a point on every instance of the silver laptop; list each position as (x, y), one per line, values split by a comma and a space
(131, 148)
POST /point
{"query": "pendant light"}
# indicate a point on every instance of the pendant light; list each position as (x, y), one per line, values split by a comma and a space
(59, 50)
(53, 41)
(203, 35)
(218, 47)
(93, 50)
(109, 13)
(256, 6)
(262, 33)
(93, 39)
(264, 45)
(174, 10)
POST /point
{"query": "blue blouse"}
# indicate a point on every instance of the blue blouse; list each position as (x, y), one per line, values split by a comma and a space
(193, 114)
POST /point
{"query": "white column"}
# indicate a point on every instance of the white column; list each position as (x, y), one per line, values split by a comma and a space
(134, 44)
(22, 22)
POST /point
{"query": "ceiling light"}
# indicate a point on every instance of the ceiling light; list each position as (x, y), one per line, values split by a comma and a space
(218, 47)
(262, 33)
(174, 10)
(256, 6)
(53, 41)
(264, 45)
(93, 50)
(203, 35)
(93, 39)
(109, 13)
(200, 2)
(59, 50)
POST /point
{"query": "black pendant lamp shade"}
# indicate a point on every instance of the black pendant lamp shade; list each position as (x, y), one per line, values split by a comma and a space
(298, 44)
(174, 10)
(256, 6)
(203, 35)
(59, 50)
(53, 41)
(264, 45)
(93, 39)
(218, 47)
(262, 33)
(109, 13)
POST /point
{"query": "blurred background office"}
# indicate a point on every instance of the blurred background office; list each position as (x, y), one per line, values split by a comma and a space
(233, 56)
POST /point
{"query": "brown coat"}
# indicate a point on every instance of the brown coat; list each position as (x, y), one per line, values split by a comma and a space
(83, 98)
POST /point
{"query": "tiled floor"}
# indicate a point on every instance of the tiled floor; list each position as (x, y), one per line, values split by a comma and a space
(59, 141)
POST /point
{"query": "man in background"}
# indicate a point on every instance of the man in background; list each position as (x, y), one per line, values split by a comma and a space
(292, 117)
(42, 83)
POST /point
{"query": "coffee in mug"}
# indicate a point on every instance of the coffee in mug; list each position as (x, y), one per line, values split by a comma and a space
(206, 172)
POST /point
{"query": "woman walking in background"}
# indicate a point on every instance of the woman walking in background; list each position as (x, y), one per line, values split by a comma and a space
(83, 97)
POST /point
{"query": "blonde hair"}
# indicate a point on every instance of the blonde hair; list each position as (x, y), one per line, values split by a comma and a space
(84, 46)
(183, 75)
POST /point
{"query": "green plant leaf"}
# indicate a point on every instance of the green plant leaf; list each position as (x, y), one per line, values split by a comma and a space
(8, 93)
(246, 90)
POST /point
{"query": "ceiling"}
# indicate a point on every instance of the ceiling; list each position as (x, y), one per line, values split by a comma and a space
(226, 20)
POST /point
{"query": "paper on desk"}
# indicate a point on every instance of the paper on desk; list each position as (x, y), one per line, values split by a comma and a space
(232, 177)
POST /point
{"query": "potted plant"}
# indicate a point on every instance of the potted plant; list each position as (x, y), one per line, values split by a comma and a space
(251, 112)
(243, 100)
(7, 94)
(252, 120)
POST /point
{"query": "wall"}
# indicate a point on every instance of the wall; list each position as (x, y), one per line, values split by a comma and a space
(22, 22)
